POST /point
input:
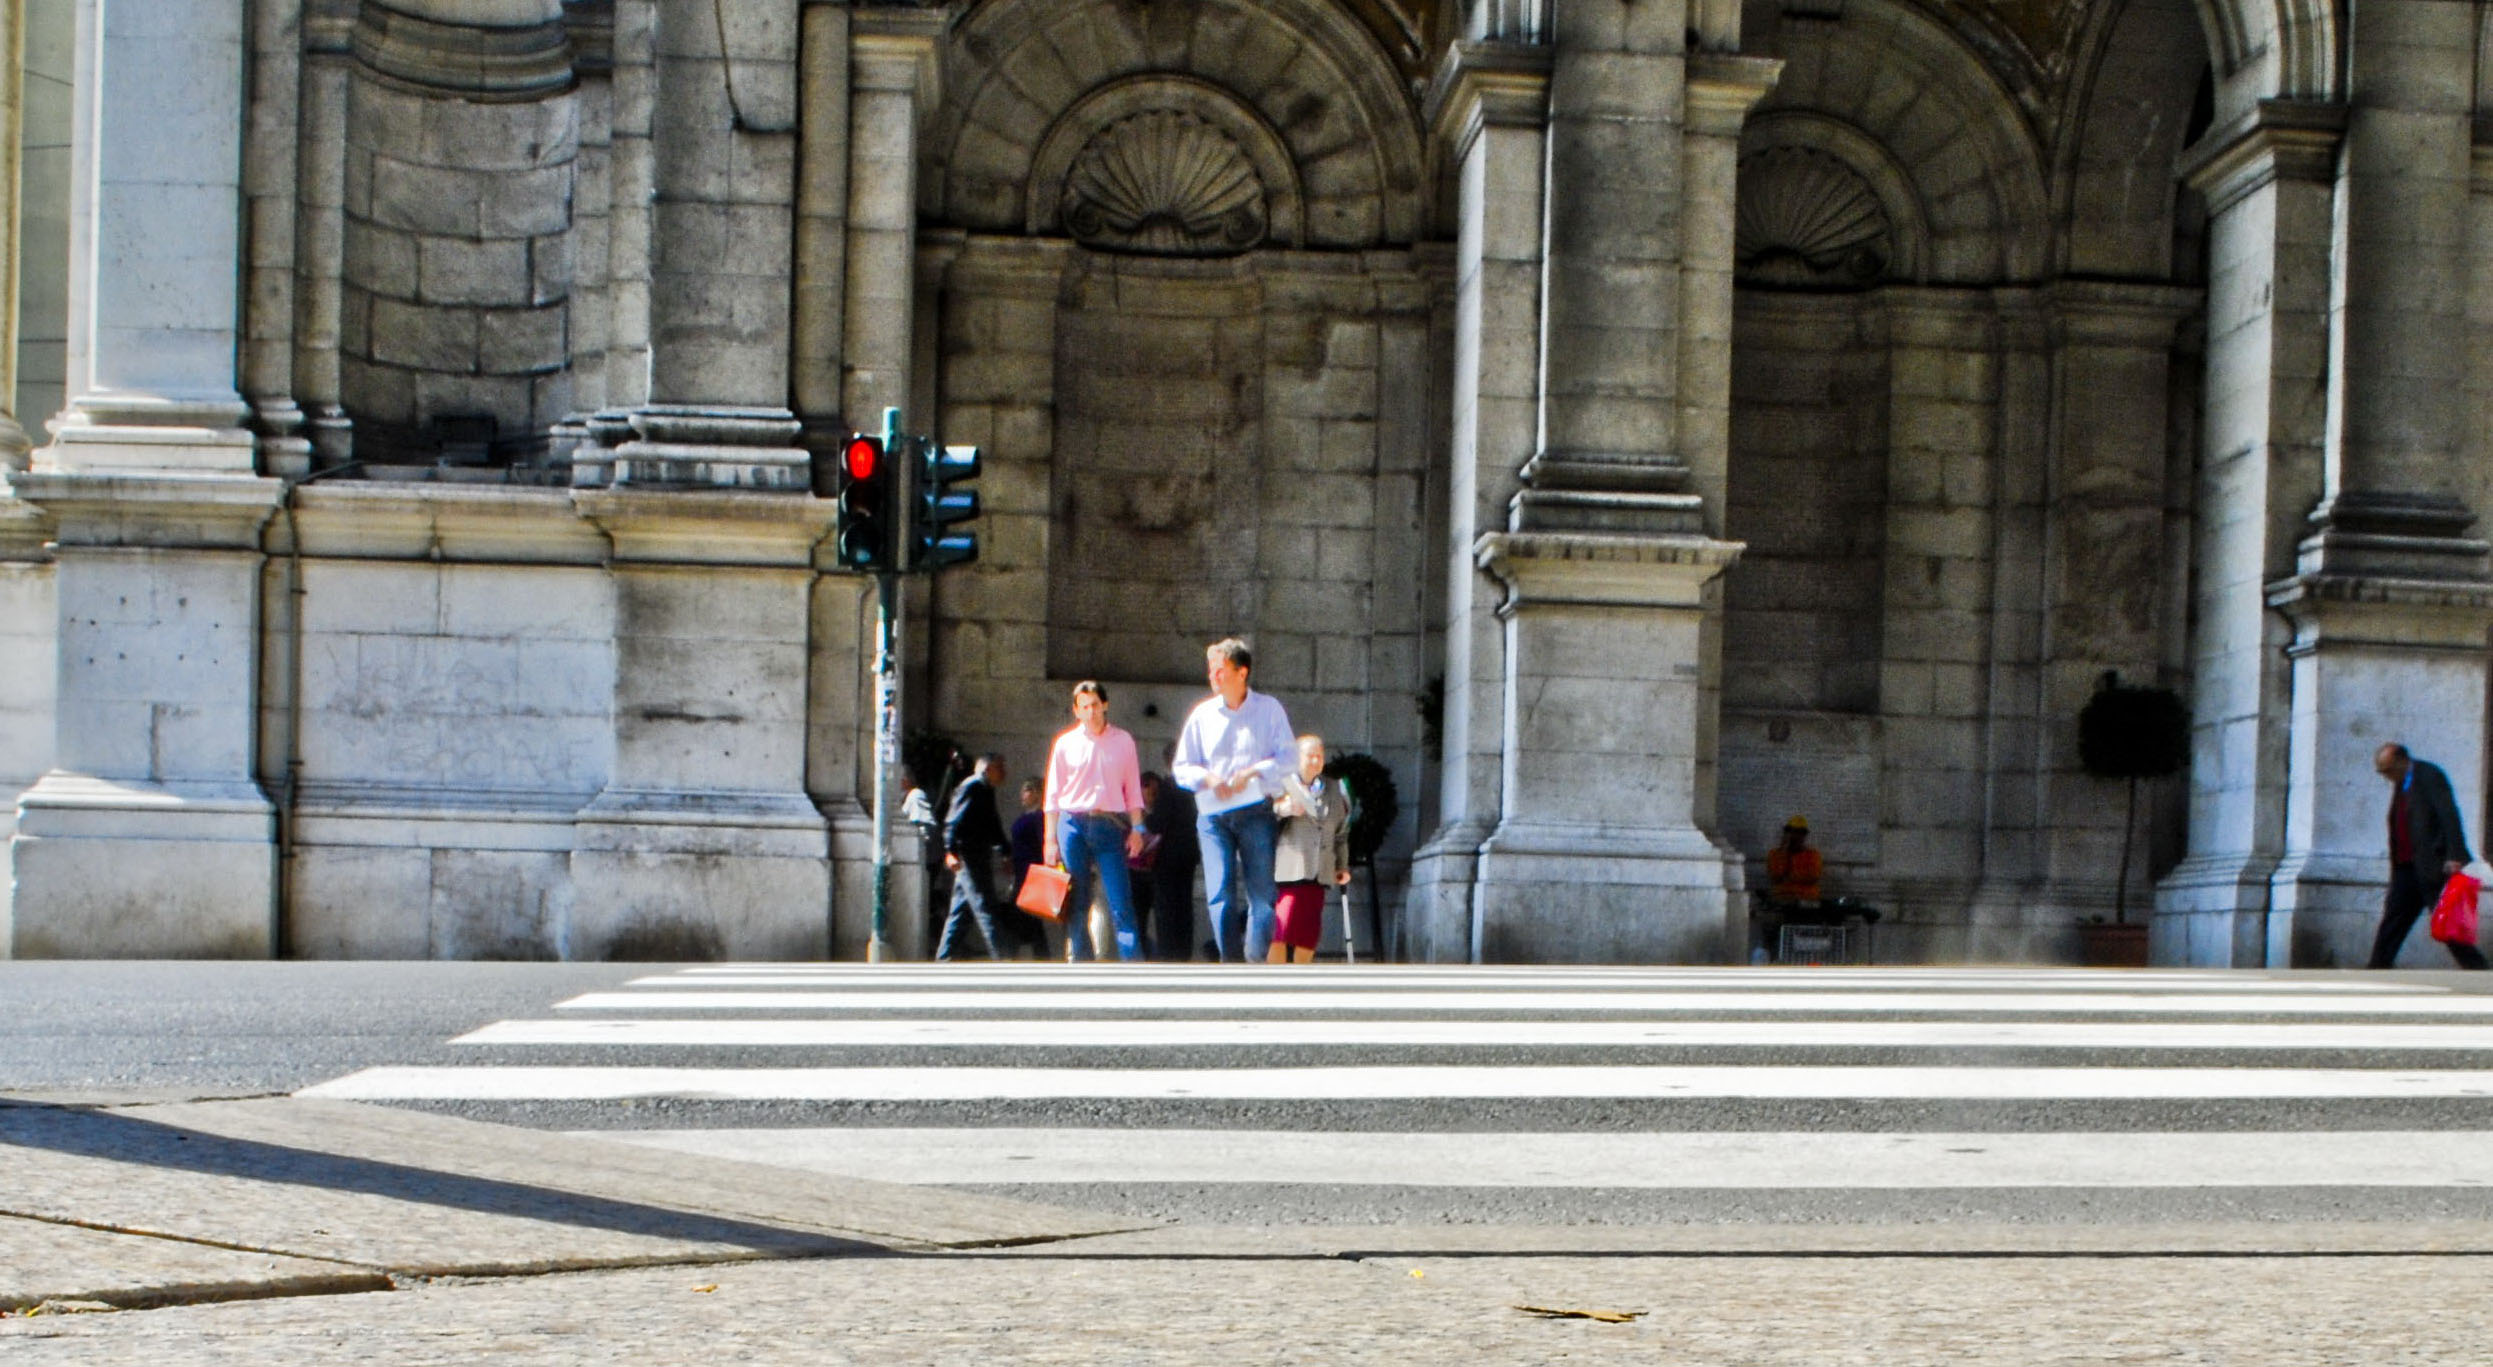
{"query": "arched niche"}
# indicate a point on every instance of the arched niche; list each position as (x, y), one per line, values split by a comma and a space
(1940, 117)
(1179, 140)
(1796, 166)
(1311, 74)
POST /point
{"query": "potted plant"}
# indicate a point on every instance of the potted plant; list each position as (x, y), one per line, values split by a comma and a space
(2131, 732)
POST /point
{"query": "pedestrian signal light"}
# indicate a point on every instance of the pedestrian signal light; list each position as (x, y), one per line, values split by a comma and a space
(939, 533)
(863, 533)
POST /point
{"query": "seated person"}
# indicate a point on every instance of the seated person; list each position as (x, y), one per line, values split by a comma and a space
(1793, 870)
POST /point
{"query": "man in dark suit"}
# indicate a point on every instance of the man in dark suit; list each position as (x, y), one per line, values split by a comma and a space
(2426, 845)
(973, 837)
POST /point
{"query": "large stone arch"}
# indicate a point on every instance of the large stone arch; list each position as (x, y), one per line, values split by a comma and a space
(1910, 85)
(2272, 49)
(1313, 74)
(2125, 120)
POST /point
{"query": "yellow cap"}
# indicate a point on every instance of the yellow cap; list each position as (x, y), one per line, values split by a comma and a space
(1797, 823)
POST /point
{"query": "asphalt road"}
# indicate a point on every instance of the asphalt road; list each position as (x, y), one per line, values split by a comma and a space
(243, 1029)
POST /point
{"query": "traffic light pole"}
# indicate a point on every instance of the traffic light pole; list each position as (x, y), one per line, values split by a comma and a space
(886, 753)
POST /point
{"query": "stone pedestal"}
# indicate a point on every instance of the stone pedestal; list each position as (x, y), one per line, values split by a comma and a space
(2390, 616)
(1599, 854)
(704, 843)
(150, 838)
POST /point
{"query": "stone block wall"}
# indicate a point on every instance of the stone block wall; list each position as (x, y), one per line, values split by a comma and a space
(458, 260)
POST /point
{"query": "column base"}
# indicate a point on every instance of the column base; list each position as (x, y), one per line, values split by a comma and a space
(111, 869)
(680, 877)
(1436, 925)
(2325, 910)
(702, 447)
(1551, 893)
(2213, 912)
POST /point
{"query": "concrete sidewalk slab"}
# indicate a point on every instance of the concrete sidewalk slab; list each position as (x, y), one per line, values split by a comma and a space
(1089, 1308)
(403, 1193)
(41, 1262)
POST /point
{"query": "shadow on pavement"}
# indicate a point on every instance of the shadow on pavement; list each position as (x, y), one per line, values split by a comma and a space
(127, 1139)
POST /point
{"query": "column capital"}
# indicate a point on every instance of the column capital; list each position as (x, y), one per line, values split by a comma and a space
(897, 50)
(1723, 87)
(1482, 85)
(2277, 140)
(1597, 570)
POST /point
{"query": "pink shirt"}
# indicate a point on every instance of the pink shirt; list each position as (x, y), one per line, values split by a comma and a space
(1094, 775)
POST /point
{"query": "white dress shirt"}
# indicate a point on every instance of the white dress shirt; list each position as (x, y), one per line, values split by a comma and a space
(1221, 742)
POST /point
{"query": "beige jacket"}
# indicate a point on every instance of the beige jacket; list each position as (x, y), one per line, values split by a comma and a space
(1312, 847)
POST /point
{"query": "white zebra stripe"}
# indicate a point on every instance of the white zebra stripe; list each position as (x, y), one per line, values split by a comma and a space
(1423, 1001)
(1670, 1160)
(1053, 1033)
(1397, 1083)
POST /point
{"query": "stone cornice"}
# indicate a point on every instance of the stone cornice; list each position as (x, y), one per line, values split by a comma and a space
(2118, 312)
(374, 520)
(1480, 85)
(1596, 570)
(687, 528)
(160, 510)
(1723, 87)
(25, 533)
(2280, 139)
(2373, 610)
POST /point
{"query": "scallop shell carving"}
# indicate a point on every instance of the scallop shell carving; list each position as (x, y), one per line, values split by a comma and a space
(1807, 219)
(1165, 183)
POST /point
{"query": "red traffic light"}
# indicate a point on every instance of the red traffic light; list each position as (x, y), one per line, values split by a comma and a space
(863, 454)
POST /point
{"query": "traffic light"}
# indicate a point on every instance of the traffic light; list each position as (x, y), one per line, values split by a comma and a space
(939, 507)
(864, 531)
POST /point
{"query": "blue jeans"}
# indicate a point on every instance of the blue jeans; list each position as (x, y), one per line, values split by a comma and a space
(1092, 844)
(1237, 858)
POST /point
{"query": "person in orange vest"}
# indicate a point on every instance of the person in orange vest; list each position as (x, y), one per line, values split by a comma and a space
(1793, 870)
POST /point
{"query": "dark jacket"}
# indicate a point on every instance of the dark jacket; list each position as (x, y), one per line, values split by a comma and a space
(2432, 818)
(972, 829)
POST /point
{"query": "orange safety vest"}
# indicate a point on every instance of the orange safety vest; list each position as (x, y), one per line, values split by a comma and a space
(1794, 875)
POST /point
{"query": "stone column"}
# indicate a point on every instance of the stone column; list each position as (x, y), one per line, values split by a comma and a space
(723, 214)
(152, 313)
(1488, 106)
(892, 84)
(151, 837)
(2266, 176)
(704, 843)
(1608, 559)
(14, 444)
(2390, 595)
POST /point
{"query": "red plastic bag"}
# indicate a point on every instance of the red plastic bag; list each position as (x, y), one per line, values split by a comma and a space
(2454, 916)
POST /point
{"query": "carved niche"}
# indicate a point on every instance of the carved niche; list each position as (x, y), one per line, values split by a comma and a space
(1809, 221)
(1165, 183)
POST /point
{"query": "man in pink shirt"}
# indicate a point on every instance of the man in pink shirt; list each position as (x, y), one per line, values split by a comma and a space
(1095, 820)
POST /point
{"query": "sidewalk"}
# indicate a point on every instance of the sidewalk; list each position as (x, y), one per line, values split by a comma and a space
(274, 1231)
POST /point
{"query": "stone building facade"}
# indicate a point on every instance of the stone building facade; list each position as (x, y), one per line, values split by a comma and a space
(1631, 421)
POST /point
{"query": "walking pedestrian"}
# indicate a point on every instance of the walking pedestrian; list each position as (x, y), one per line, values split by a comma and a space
(973, 836)
(1171, 817)
(1231, 755)
(1311, 855)
(1094, 804)
(2427, 844)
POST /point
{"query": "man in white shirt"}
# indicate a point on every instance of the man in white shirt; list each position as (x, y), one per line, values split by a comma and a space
(1232, 755)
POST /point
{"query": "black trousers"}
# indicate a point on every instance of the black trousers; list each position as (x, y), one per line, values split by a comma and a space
(1172, 922)
(1001, 926)
(2407, 900)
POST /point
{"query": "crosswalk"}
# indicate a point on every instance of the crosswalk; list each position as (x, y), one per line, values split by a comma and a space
(1102, 1081)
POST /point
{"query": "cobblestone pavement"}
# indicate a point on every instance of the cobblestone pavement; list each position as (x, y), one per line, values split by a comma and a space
(1111, 1308)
